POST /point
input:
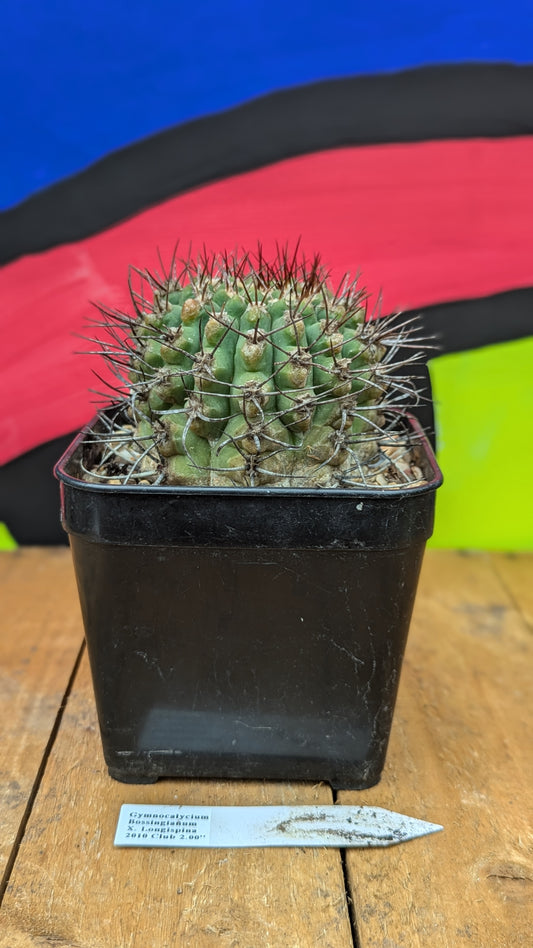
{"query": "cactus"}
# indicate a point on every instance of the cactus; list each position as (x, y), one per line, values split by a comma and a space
(235, 370)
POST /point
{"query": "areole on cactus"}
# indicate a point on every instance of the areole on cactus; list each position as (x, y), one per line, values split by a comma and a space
(238, 370)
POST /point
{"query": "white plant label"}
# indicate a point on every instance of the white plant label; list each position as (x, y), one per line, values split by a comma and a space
(140, 825)
(241, 826)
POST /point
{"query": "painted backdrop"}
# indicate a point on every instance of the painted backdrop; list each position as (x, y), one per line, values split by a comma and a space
(396, 138)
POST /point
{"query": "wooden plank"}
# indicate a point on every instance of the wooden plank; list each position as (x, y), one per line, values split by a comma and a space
(70, 886)
(41, 637)
(460, 755)
(516, 573)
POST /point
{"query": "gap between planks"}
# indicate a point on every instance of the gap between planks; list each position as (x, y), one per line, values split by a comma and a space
(472, 608)
(460, 754)
(39, 776)
(71, 885)
(41, 638)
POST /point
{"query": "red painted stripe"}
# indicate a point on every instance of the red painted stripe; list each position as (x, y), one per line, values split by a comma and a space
(426, 222)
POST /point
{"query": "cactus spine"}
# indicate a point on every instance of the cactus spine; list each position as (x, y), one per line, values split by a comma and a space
(239, 371)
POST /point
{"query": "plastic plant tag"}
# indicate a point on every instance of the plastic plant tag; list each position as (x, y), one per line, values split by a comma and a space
(243, 826)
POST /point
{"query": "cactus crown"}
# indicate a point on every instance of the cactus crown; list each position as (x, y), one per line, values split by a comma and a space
(235, 370)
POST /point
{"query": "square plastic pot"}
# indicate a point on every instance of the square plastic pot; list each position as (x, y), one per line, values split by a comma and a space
(246, 632)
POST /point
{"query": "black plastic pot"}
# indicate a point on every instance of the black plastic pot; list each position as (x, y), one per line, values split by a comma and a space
(246, 633)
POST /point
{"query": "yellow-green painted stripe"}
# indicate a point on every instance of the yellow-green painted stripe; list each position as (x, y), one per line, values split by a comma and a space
(7, 542)
(483, 413)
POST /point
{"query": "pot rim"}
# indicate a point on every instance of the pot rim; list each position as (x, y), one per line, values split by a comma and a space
(432, 482)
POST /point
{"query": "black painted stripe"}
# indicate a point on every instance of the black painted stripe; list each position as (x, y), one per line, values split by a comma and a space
(29, 494)
(470, 324)
(484, 321)
(434, 102)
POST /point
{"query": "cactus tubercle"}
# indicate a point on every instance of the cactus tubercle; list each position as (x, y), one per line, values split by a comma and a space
(240, 371)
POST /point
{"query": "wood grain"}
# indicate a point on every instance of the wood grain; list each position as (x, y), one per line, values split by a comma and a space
(460, 755)
(71, 887)
(41, 637)
(516, 573)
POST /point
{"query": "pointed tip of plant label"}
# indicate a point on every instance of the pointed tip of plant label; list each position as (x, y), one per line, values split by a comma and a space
(413, 828)
(388, 827)
(426, 828)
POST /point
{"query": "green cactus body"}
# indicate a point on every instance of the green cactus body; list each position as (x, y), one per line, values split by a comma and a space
(241, 372)
(213, 375)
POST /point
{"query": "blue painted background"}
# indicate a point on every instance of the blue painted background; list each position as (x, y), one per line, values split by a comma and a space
(81, 79)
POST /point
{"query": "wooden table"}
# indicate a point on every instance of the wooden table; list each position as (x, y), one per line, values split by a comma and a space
(460, 755)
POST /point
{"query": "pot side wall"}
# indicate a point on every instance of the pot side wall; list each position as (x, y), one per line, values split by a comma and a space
(259, 663)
